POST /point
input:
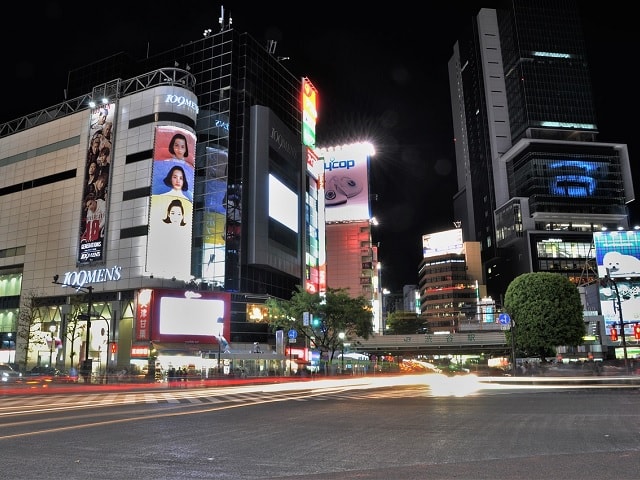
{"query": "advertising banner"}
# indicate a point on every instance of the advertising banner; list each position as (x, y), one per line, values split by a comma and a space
(346, 185)
(442, 243)
(182, 316)
(97, 176)
(171, 206)
(618, 256)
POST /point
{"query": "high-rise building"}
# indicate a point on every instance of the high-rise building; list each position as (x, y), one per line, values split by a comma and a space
(198, 188)
(352, 259)
(450, 277)
(533, 182)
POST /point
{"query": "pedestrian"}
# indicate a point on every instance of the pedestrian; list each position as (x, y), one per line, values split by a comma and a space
(171, 376)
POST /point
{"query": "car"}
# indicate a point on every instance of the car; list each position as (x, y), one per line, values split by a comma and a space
(41, 373)
(8, 374)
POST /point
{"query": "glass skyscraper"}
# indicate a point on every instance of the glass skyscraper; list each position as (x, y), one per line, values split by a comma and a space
(533, 182)
(234, 74)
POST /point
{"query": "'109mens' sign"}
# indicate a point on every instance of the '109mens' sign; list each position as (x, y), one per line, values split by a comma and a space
(87, 277)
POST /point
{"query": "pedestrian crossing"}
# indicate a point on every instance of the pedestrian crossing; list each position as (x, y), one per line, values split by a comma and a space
(27, 403)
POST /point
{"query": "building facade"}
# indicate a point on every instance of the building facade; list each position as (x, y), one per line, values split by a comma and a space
(533, 182)
(450, 280)
(206, 138)
(351, 258)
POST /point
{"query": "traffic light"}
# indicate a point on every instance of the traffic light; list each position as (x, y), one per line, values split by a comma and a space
(316, 322)
(614, 334)
(636, 331)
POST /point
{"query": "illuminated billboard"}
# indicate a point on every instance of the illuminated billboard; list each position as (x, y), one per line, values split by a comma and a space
(575, 178)
(274, 196)
(618, 255)
(309, 113)
(214, 237)
(346, 184)
(97, 176)
(442, 243)
(315, 248)
(182, 316)
(171, 205)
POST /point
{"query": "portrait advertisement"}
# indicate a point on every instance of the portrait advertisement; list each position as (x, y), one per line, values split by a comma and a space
(171, 204)
(174, 143)
(97, 176)
(173, 177)
(169, 239)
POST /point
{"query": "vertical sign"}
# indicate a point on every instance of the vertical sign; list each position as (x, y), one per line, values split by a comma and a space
(171, 205)
(97, 176)
(309, 113)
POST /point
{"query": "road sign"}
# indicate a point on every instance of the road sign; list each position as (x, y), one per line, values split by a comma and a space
(504, 319)
(293, 334)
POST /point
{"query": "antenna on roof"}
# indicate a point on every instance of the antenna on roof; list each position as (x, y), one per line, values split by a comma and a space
(224, 27)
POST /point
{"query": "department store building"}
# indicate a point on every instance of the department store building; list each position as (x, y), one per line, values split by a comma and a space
(105, 263)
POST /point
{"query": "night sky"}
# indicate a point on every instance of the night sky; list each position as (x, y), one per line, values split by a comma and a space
(381, 74)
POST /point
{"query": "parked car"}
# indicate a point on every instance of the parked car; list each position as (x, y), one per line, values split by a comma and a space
(8, 374)
(49, 374)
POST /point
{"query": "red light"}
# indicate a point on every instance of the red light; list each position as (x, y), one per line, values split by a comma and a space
(614, 334)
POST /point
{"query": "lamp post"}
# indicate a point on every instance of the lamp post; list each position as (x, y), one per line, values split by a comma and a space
(607, 281)
(341, 336)
(86, 368)
(52, 330)
(512, 325)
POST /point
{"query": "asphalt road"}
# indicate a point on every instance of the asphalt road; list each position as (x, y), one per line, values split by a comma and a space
(404, 428)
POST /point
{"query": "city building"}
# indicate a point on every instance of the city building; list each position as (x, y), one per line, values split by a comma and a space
(411, 298)
(450, 283)
(150, 216)
(534, 185)
(352, 258)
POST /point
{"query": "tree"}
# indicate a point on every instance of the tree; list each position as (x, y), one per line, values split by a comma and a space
(404, 323)
(28, 318)
(334, 313)
(547, 312)
(74, 330)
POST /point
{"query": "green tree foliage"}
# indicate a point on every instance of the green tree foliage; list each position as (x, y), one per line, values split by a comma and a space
(404, 323)
(336, 310)
(546, 311)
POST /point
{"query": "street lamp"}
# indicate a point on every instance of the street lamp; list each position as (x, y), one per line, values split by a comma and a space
(512, 326)
(341, 336)
(52, 328)
(607, 281)
(86, 368)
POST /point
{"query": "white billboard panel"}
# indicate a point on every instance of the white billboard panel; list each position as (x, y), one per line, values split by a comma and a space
(346, 186)
(442, 243)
